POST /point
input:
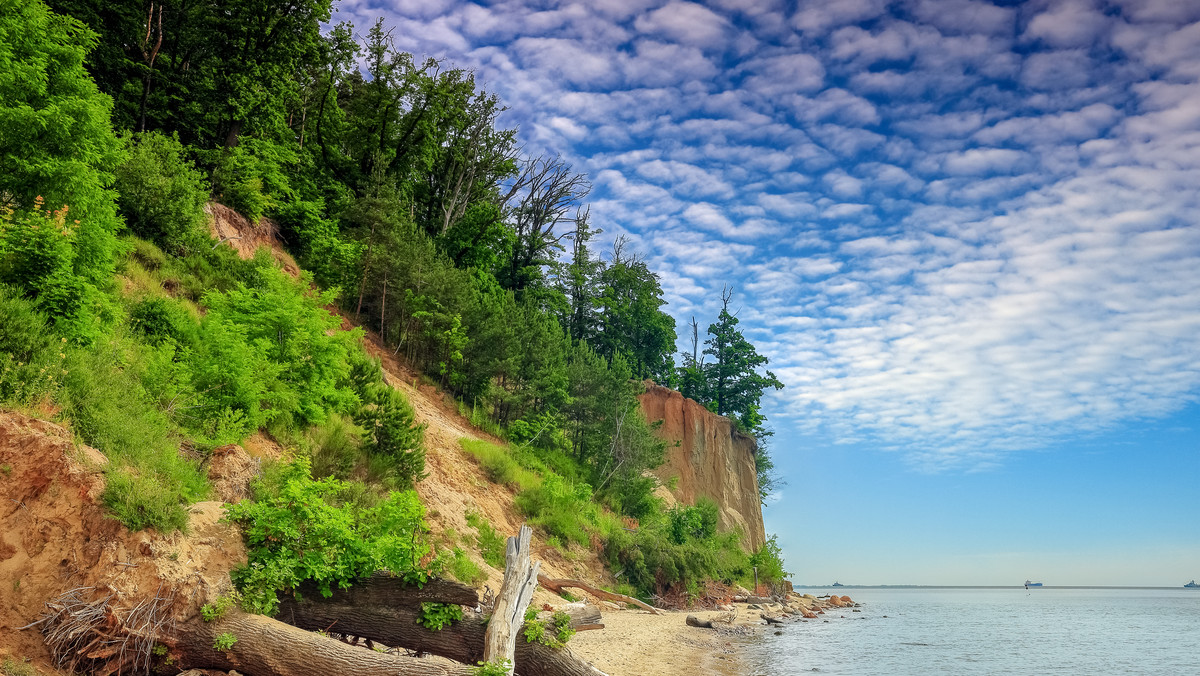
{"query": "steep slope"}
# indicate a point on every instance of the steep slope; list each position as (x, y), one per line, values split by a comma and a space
(707, 457)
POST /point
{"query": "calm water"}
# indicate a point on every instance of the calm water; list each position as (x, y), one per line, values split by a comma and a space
(992, 631)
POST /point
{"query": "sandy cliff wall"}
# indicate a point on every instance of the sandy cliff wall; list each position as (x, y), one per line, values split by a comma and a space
(711, 460)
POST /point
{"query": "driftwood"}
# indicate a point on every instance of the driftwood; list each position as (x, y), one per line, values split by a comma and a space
(557, 586)
(769, 619)
(508, 615)
(693, 621)
(582, 615)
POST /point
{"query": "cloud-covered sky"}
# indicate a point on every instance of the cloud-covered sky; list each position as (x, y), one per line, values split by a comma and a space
(958, 229)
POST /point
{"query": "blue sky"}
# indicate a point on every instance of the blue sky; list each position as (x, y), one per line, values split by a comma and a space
(965, 233)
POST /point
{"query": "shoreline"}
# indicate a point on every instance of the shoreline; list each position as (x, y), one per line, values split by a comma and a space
(636, 642)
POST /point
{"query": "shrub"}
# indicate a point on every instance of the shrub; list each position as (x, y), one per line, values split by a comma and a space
(296, 531)
(392, 434)
(436, 616)
(250, 178)
(334, 447)
(162, 319)
(161, 194)
(492, 545)
(463, 569)
(149, 483)
(30, 356)
(561, 508)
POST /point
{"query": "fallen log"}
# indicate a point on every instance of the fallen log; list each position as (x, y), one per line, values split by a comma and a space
(462, 641)
(557, 586)
(267, 647)
(769, 619)
(581, 614)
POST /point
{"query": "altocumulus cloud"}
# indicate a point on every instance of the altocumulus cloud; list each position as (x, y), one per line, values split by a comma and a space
(958, 230)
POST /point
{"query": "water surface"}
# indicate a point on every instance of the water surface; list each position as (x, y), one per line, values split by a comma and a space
(909, 631)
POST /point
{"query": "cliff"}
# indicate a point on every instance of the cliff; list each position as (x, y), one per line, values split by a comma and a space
(711, 459)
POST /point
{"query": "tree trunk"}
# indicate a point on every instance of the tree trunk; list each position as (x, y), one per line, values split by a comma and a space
(557, 586)
(383, 609)
(267, 647)
(508, 616)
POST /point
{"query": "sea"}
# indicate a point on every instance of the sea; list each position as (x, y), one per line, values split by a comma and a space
(906, 631)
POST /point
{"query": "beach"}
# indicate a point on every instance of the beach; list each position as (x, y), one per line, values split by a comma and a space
(636, 642)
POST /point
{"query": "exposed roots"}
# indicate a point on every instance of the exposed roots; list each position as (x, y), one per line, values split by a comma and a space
(90, 636)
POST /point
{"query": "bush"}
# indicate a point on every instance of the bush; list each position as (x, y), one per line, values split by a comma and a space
(492, 545)
(162, 194)
(463, 569)
(560, 508)
(334, 447)
(298, 530)
(39, 254)
(30, 356)
(149, 484)
(250, 178)
(161, 320)
(392, 434)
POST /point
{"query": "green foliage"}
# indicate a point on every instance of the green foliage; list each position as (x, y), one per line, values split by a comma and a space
(161, 194)
(769, 562)
(225, 641)
(211, 612)
(251, 177)
(500, 667)
(435, 616)
(334, 447)
(697, 522)
(30, 356)
(553, 634)
(492, 545)
(160, 320)
(39, 254)
(298, 529)
(56, 140)
(561, 508)
(463, 569)
(105, 395)
(285, 348)
(393, 434)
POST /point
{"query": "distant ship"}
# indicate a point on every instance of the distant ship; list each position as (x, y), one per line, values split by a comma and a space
(1029, 584)
(839, 584)
(1191, 585)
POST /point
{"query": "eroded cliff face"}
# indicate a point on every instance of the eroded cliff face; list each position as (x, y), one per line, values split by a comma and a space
(711, 460)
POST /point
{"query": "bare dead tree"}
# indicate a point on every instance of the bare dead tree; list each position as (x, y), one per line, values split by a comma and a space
(545, 191)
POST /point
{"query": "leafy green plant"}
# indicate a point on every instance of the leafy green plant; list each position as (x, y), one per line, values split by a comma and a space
(491, 544)
(463, 569)
(211, 612)
(161, 194)
(297, 530)
(435, 616)
(225, 641)
(392, 433)
(554, 633)
(501, 667)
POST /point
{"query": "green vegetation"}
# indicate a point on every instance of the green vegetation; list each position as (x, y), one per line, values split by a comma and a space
(436, 616)
(463, 569)
(12, 667)
(554, 633)
(492, 545)
(415, 213)
(224, 641)
(500, 667)
(299, 529)
(211, 612)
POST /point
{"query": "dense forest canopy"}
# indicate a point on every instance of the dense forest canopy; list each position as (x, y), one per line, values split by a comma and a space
(392, 179)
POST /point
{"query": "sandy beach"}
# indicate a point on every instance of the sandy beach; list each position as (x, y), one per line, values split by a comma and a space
(636, 642)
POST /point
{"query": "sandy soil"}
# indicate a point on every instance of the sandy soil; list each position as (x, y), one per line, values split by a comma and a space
(635, 642)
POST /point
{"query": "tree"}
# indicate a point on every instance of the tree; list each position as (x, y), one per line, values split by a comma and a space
(735, 385)
(56, 140)
(632, 323)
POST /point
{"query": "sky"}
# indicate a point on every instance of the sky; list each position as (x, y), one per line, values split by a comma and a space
(966, 234)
